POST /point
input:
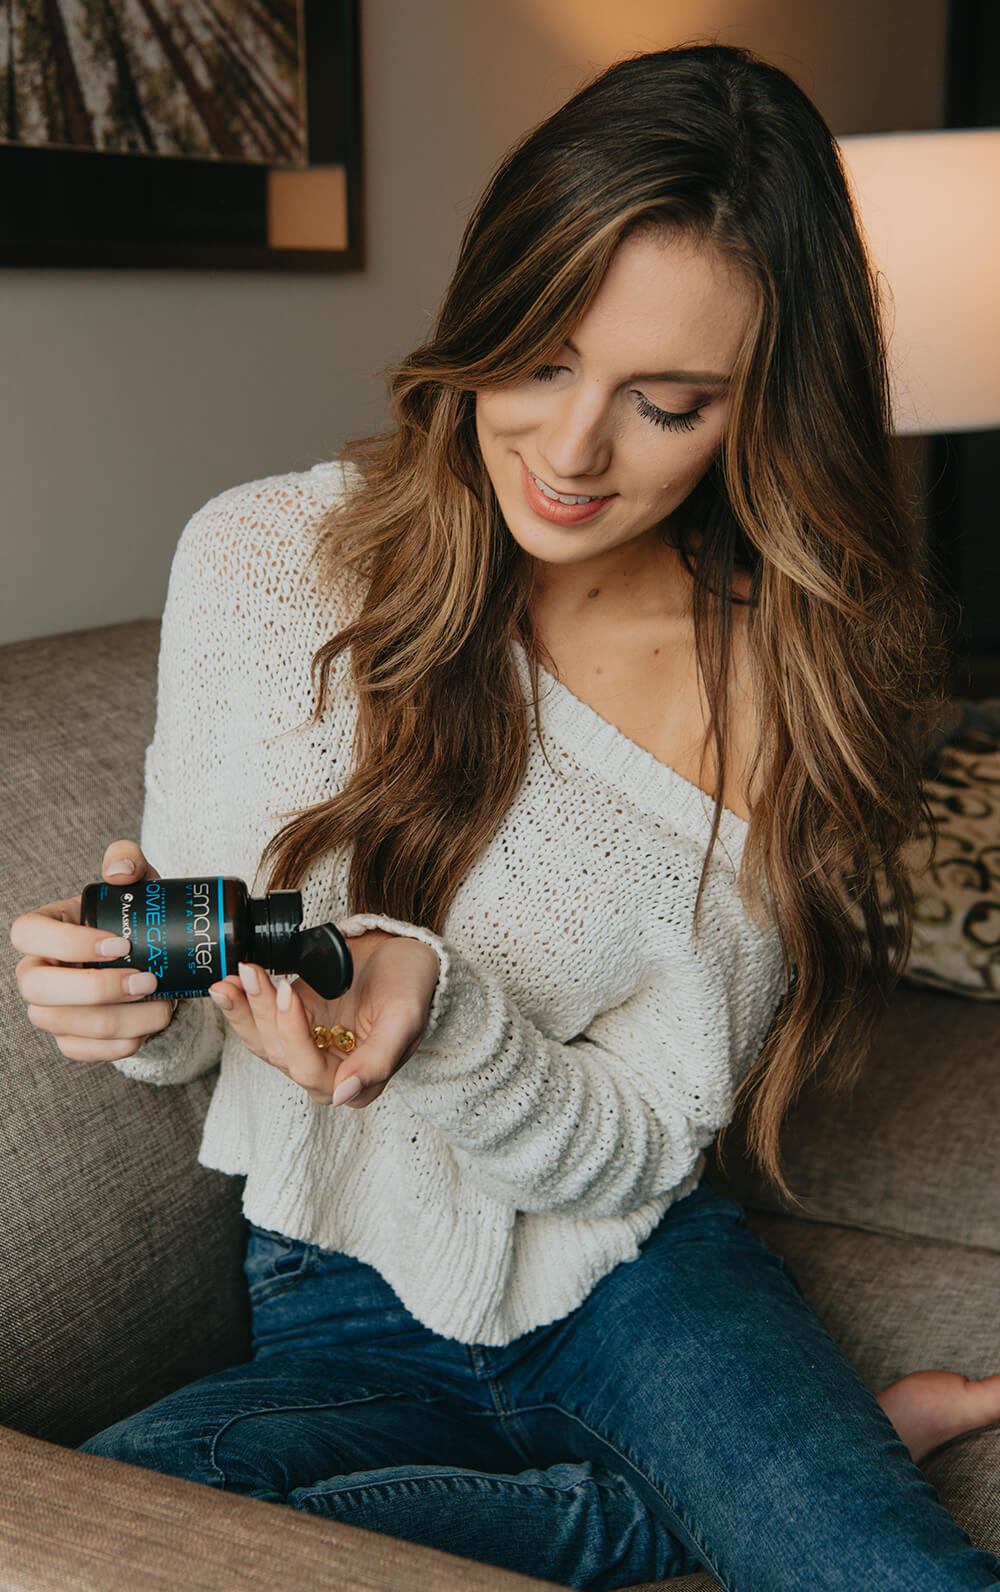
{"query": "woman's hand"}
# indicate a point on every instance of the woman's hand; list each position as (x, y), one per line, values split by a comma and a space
(93, 1013)
(387, 1007)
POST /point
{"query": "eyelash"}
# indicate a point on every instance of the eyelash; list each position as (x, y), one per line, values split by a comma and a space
(662, 418)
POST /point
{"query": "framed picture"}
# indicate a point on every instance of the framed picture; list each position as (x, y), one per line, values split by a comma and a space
(180, 133)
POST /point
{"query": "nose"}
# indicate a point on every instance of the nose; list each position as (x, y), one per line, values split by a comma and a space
(575, 443)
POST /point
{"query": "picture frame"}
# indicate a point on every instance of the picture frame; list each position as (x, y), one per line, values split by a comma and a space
(94, 207)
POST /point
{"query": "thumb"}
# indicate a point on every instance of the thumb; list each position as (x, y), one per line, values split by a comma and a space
(124, 862)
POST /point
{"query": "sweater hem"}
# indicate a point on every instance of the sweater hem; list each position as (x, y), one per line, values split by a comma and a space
(519, 1304)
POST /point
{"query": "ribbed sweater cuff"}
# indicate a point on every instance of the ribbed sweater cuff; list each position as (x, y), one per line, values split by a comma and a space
(363, 921)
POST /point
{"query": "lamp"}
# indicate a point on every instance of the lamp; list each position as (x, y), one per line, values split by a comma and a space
(930, 205)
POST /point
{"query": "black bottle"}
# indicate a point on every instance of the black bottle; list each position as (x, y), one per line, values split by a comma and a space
(192, 932)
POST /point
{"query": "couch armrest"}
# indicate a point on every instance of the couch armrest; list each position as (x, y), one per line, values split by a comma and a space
(96, 1525)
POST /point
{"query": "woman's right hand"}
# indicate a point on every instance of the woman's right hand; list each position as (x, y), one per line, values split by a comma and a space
(94, 1014)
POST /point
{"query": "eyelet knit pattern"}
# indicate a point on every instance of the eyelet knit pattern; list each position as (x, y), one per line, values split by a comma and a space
(583, 1048)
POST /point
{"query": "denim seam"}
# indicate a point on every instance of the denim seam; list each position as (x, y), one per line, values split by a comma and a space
(258, 1410)
(504, 1410)
(708, 1556)
(477, 1480)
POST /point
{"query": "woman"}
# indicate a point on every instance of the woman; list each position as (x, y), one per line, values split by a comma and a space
(619, 642)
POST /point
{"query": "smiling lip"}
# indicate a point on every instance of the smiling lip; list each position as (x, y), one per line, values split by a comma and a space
(554, 511)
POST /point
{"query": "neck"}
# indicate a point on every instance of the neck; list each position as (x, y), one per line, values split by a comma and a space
(628, 586)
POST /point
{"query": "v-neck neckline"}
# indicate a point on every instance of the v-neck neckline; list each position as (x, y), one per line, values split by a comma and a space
(618, 760)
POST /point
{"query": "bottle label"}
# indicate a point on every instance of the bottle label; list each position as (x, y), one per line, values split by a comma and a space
(177, 930)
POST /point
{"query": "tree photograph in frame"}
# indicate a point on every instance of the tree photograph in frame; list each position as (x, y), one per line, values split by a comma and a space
(173, 133)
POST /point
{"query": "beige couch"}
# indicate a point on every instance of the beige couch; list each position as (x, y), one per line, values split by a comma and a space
(120, 1258)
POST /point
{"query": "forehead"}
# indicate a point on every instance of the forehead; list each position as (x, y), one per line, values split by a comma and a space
(671, 301)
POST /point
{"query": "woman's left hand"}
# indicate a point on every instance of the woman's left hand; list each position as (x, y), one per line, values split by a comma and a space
(386, 1007)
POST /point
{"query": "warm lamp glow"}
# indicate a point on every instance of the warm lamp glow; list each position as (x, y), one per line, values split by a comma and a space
(307, 208)
(593, 33)
(930, 205)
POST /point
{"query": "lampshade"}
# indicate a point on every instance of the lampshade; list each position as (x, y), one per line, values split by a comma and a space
(930, 206)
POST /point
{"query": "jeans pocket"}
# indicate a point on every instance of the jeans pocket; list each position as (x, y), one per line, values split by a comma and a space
(275, 1263)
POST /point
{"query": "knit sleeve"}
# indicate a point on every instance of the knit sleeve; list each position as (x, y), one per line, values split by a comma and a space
(195, 645)
(597, 1126)
(240, 564)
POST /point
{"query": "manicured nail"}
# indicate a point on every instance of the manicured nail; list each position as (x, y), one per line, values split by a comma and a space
(118, 867)
(141, 983)
(113, 947)
(221, 999)
(346, 1090)
(284, 997)
(248, 978)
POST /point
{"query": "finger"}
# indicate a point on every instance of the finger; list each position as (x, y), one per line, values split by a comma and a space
(227, 993)
(102, 1022)
(231, 999)
(43, 983)
(363, 1075)
(123, 861)
(77, 1049)
(258, 991)
(311, 1068)
(54, 931)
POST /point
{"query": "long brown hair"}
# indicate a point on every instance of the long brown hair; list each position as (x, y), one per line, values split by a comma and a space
(848, 640)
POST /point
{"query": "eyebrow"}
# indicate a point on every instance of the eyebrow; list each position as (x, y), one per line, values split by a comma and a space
(697, 378)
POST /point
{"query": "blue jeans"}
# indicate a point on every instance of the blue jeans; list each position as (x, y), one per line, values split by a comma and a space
(691, 1412)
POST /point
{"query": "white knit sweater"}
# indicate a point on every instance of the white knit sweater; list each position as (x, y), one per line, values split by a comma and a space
(582, 1049)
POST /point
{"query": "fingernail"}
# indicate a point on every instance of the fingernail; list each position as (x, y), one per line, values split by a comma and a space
(221, 999)
(118, 867)
(113, 947)
(284, 997)
(248, 978)
(141, 983)
(346, 1090)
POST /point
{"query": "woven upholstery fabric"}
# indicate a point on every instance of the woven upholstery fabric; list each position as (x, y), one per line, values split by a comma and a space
(895, 1305)
(119, 1256)
(94, 1525)
(916, 1147)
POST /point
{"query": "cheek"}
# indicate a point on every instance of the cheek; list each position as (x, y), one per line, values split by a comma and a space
(491, 414)
(689, 464)
(502, 413)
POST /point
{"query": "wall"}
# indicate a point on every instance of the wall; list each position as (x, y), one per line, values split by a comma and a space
(128, 398)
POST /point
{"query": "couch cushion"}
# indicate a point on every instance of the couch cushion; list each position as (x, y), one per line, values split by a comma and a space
(915, 1148)
(119, 1255)
(96, 1525)
(893, 1305)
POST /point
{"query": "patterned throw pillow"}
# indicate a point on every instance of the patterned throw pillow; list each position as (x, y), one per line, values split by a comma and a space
(956, 934)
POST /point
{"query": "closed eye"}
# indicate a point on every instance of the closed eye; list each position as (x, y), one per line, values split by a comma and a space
(664, 418)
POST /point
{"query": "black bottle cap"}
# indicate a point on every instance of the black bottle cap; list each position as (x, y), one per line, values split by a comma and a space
(275, 919)
(323, 959)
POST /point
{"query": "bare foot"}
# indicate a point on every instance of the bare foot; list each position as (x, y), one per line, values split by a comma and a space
(929, 1408)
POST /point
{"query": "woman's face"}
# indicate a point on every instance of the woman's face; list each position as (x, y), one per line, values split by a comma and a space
(596, 449)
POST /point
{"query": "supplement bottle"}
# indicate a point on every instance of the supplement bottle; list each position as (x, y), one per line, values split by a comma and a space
(191, 933)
